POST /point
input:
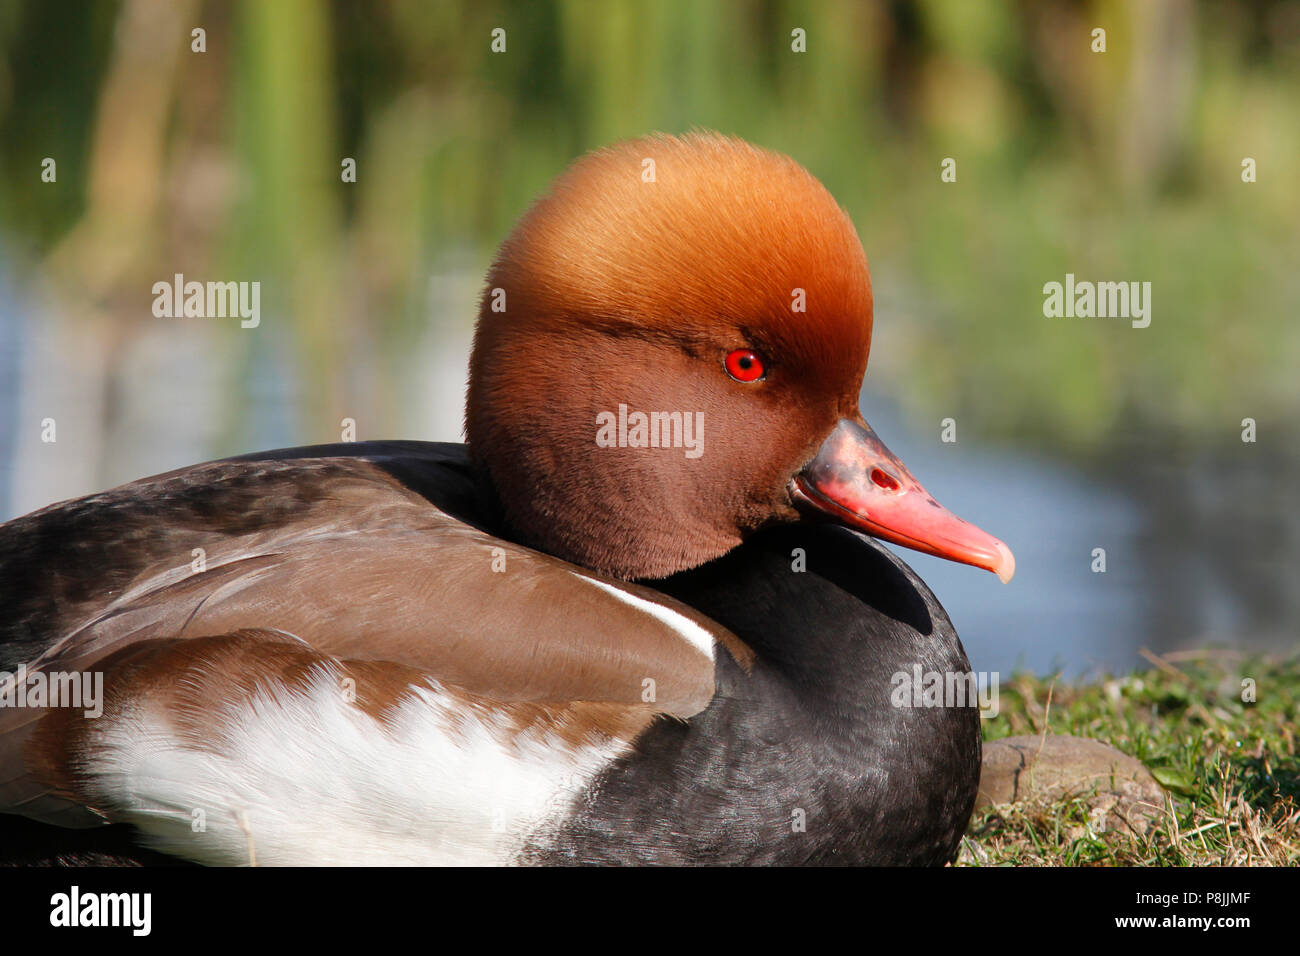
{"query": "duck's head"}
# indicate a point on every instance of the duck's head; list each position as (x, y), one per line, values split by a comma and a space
(693, 280)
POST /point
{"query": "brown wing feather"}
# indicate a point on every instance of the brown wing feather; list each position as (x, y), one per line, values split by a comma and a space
(348, 559)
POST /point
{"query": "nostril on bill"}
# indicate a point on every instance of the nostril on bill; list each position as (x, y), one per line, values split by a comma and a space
(883, 479)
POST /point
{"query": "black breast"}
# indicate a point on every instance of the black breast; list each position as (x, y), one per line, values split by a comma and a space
(807, 759)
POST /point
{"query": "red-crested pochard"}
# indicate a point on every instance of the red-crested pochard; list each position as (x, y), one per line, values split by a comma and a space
(403, 652)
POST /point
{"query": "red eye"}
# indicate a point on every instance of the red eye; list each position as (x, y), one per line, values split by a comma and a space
(744, 365)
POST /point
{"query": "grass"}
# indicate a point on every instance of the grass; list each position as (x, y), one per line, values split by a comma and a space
(1228, 765)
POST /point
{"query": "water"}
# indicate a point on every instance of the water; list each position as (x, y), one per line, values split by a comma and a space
(1201, 550)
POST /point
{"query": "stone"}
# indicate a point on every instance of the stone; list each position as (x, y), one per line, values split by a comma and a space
(1118, 789)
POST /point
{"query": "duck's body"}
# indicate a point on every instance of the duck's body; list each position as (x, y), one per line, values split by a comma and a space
(795, 756)
(399, 652)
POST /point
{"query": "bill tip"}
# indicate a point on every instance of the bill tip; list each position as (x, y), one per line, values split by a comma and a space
(1006, 568)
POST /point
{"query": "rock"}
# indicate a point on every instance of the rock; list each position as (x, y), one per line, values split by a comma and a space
(1119, 790)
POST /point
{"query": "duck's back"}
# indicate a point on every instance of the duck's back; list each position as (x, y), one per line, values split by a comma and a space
(66, 565)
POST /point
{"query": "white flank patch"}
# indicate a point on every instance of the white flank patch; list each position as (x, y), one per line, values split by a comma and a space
(309, 779)
(683, 626)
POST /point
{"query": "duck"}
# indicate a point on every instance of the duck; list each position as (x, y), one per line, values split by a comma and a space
(643, 615)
